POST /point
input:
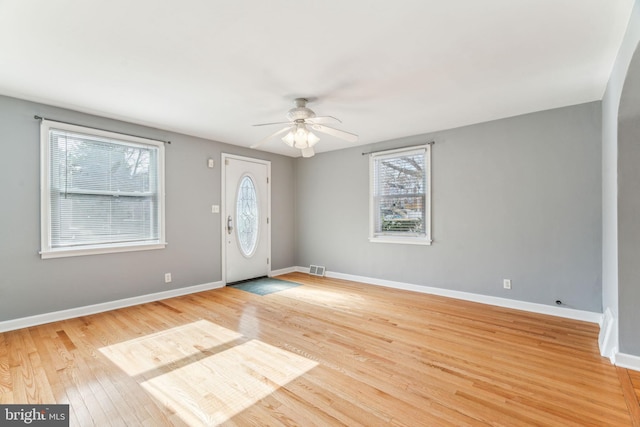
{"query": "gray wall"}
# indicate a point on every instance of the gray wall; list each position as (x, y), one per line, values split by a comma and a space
(629, 209)
(29, 285)
(518, 198)
(611, 293)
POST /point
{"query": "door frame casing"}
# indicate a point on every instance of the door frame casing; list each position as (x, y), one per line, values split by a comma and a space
(223, 208)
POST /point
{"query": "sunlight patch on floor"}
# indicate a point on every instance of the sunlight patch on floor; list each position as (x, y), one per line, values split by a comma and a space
(322, 296)
(160, 349)
(215, 389)
(216, 385)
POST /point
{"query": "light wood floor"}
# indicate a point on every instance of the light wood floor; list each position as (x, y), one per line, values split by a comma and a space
(329, 352)
(635, 380)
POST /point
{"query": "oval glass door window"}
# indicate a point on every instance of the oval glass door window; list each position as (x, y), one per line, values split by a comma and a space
(247, 216)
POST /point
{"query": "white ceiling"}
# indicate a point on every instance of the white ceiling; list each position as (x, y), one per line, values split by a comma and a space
(387, 69)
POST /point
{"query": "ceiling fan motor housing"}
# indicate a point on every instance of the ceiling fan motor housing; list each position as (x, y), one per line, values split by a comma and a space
(300, 113)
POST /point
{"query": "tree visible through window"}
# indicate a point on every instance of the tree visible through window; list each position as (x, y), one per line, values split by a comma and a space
(400, 196)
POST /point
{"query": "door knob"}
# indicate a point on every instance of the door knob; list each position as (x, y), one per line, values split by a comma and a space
(229, 224)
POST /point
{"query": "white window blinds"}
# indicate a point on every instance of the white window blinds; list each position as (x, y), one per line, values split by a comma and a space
(101, 190)
(400, 194)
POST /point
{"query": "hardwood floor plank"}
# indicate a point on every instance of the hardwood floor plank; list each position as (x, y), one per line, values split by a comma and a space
(631, 398)
(329, 352)
(634, 376)
(6, 385)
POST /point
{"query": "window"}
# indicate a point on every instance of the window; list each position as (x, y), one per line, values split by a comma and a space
(400, 201)
(100, 191)
(247, 216)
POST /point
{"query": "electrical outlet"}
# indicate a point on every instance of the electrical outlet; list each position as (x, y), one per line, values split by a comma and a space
(506, 283)
(167, 277)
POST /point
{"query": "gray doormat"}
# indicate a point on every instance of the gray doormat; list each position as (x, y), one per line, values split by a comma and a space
(264, 285)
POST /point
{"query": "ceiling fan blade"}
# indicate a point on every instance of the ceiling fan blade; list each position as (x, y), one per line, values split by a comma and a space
(323, 119)
(273, 135)
(347, 136)
(274, 123)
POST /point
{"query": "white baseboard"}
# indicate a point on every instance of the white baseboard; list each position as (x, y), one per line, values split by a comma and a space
(284, 271)
(40, 319)
(607, 339)
(568, 313)
(628, 361)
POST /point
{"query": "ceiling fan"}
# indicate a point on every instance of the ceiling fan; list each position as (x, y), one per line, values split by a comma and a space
(301, 121)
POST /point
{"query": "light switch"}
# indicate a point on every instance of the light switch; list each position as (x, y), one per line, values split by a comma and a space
(210, 163)
(215, 209)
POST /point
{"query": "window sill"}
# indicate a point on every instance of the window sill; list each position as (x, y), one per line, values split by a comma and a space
(95, 250)
(401, 240)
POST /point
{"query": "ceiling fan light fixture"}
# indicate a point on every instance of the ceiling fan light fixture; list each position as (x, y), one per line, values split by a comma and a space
(312, 139)
(308, 152)
(300, 136)
(289, 138)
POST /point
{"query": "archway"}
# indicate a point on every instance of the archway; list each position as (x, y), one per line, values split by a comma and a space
(629, 210)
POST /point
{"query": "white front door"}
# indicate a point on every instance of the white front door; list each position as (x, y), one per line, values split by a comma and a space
(246, 217)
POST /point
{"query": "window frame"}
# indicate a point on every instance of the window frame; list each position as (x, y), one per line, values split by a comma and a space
(46, 249)
(400, 238)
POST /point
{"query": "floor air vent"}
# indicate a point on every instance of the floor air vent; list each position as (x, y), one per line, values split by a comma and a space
(316, 270)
